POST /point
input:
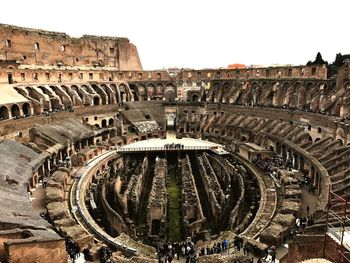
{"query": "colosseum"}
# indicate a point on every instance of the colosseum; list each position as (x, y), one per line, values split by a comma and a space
(103, 161)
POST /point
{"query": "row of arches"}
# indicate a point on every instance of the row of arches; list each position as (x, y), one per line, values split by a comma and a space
(58, 97)
(105, 123)
(15, 111)
(153, 90)
(316, 96)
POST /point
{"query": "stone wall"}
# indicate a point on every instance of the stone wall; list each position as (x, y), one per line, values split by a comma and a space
(157, 204)
(33, 46)
(192, 211)
(307, 247)
(36, 251)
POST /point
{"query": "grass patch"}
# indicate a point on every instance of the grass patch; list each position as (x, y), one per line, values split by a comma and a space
(174, 225)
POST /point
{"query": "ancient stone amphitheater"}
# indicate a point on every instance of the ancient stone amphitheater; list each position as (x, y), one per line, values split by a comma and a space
(69, 106)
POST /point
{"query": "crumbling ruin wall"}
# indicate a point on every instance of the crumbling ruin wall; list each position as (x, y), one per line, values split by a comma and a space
(157, 206)
(34, 46)
(36, 251)
(192, 211)
(134, 188)
(212, 188)
(309, 246)
(115, 220)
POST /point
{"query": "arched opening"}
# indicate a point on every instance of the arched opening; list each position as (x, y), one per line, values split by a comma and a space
(4, 113)
(100, 92)
(123, 93)
(150, 91)
(55, 104)
(195, 98)
(111, 122)
(15, 111)
(104, 123)
(169, 94)
(26, 109)
(96, 101)
(97, 126)
(133, 90)
(147, 117)
(309, 138)
(340, 142)
(110, 95)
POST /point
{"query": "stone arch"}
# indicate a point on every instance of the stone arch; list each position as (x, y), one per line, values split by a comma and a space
(297, 84)
(110, 95)
(340, 134)
(123, 92)
(341, 143)
(77, 91)
(160, 89)
(111, 122)
(169, 92)
(96, 100)
(100, 92)
(26, 109)
(116, 92)
(97, 126)
(134, 91)
(309, 85)
(309, 138)
(86, 89)
(104, 123)
(4, 113)
(15, 112)
(285, 84)
(141, 90)
(151, 90)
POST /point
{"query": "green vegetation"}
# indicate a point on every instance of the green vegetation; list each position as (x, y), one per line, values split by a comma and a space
(174, 225)
(332, 68)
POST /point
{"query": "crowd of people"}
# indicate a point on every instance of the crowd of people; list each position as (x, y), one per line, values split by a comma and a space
(269, 165)
(171, 146)
(306, 183)
(217, 248)
(302, 222)
(146, 126)
(73, 249)
(168, 251)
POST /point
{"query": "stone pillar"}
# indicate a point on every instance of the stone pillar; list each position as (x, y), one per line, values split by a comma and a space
(346, 131)
(336, 125)
(48, 165)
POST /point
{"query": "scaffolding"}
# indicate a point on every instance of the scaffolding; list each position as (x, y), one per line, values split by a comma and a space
(337, 230)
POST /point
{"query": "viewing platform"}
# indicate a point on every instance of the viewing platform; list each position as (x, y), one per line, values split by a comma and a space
(172, 144)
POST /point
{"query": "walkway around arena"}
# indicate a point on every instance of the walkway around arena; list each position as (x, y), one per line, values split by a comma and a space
(170, 144)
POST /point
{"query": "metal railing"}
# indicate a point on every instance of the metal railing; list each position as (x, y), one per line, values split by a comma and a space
(163, 148)
(84, 213)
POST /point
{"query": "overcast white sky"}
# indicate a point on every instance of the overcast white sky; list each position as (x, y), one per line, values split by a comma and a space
(200, 33)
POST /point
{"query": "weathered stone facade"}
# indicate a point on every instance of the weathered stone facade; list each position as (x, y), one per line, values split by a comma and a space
(157, 203)
(39, 47)
(90, 96)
